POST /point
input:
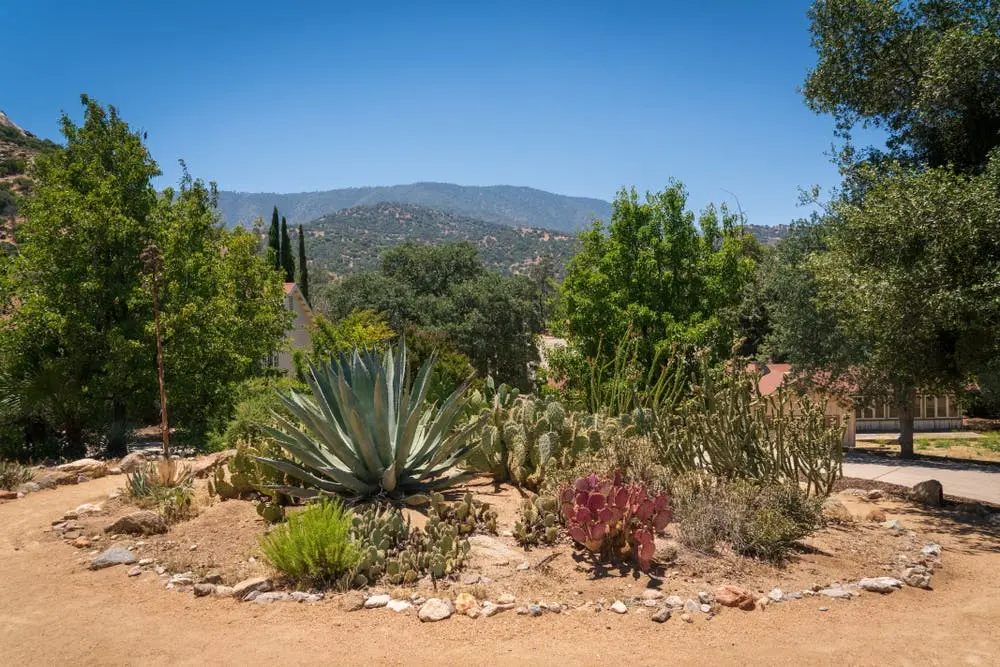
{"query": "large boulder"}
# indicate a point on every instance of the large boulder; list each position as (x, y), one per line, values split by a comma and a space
(142, 522)
(436, 609)
(132, 461)
(836, 512)
(206, 465)
(929, 493)
(89, 467)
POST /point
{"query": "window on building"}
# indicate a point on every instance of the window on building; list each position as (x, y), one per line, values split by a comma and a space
(892, 411)
(930, 407)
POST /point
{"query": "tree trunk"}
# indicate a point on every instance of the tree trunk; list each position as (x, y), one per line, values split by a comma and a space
(905, 409)
(117, 446)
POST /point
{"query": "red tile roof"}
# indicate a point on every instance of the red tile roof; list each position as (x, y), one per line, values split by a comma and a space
(773, 376)
(289, 287)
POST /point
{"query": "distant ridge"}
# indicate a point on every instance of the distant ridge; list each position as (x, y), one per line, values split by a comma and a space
(508, 205)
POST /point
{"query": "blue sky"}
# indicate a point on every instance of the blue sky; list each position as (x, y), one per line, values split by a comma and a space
(575, 98)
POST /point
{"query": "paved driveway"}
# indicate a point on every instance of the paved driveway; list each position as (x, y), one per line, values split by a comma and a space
(966, 480)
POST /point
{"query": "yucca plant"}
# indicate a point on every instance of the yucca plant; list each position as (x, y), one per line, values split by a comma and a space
(364, 432)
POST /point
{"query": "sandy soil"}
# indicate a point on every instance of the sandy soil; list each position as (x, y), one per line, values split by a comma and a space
(54, 611)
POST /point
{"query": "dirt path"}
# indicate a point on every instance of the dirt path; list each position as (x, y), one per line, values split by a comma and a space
(54, 611)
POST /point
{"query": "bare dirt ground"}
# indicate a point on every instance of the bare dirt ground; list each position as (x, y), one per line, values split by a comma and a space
(55, 611)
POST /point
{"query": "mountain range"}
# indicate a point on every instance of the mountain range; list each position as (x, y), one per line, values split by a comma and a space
(353, 239)
(500, 204)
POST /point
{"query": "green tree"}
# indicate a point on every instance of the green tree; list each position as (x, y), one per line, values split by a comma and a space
(274, 241)
(303, 265)
(906, 285)
(651, 271)
(360, 329)
(927, 72)
(287, 260)
(78, 342)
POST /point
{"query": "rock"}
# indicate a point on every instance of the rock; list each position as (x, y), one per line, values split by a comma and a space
(674, 602)
(705, 609)
(183, 579)
(81, 542)
(929, 492)
(135, 571)
(160, 570)
(661, 616)
(880, 584)
(917, 576)
(523, 566)
(824, 609)
(692, 606)
(554, 607)
(144, 562)
(733, 596)
(835, 511)
(89, 467)
(436, 609)
(213, 577)
(763, 602)
(470, 579)
(530, 610)
(776, 595)
(143, 522)
(55, 478)
(205, 465)
(274, 596)
(29, 487)
(855, 492)
(302, 596)
(894, 526)
(83, 510)
(465, 603)
(8, 495)
(111, 557)
(491, 548)
(875, 515)
(651, 594)
(506, 598)
(223, 591)
(490, 609)
(687, 618)
(377, 601)
(875, 494)
(132, 462)
(705, 598)
(618, 607)
(793, 596)
(201, 590)
(398, 605)
(933, 549)
(252, 585)
(836, 593)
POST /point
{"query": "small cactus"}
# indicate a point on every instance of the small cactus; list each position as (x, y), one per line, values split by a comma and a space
(538, 523)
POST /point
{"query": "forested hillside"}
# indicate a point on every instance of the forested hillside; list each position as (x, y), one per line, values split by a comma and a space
(353, 239)
(500, 204)
(17, 149)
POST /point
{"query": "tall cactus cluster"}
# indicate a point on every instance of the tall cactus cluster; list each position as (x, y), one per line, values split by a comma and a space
(729, 429)
(519, 440)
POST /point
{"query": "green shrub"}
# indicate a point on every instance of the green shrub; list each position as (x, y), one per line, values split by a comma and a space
(13, 475)
(314, 547)
(165, 485)
(753, 519)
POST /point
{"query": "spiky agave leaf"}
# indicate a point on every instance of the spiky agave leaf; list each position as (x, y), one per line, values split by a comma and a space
(363, 432)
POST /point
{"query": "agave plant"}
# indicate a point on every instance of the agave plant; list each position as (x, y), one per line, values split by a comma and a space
(364, 432)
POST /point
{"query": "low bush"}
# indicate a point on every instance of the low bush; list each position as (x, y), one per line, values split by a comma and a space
(14, 474)
(166, 485)
(753, 519)
(314, 547)
(614, 520)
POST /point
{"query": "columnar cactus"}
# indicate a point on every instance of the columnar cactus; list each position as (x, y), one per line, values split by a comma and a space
(614, 520)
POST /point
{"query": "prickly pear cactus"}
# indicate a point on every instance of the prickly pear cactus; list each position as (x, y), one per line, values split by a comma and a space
(468, 515)
(538, 523)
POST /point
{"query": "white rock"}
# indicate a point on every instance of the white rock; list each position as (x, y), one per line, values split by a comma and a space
(268, 598)
(932, 549)
(880, 584)
(651, 594)
(836, 593)
(376, 601)
(524, 566)
(506, 598)
(619, 607)
(398, 605)
(704, 597)
(436, 609)
(776, 595)
(674, 601)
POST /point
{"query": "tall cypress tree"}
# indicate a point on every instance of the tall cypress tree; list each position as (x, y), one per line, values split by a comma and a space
(274, 241)
(287, 260)
(303, 269)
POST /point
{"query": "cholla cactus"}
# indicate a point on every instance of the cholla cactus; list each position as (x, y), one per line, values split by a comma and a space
(613, 519)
